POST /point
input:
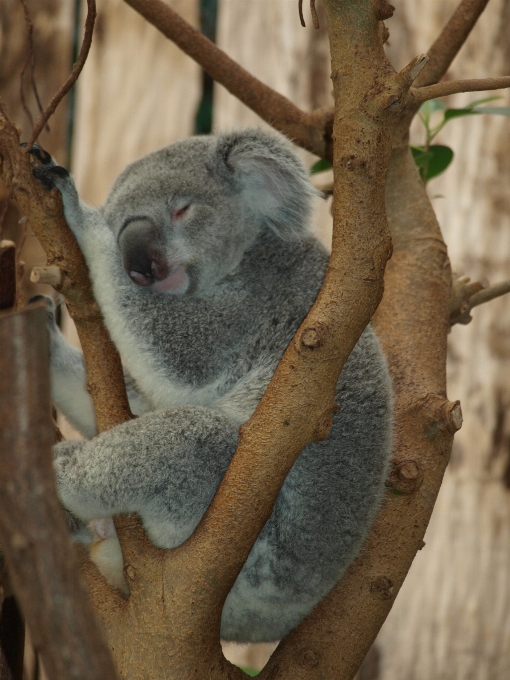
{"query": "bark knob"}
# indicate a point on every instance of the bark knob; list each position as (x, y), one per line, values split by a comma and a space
(382, 588)
(406, 476)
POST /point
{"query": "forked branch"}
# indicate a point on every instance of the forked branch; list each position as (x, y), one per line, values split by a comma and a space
(466, 295)
(451, 39)
(307, 130)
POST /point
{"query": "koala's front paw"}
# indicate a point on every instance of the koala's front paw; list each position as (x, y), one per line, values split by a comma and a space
(49, 175)
(48, 172)
(37, 152)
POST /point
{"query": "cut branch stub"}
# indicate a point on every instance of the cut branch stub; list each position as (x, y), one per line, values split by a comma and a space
(452, 416)
(311, 338)
(51, 275)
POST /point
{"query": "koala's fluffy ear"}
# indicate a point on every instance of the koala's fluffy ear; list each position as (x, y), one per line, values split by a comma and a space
(270, 177)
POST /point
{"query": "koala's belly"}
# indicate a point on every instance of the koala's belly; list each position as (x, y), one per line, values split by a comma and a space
(237, 400)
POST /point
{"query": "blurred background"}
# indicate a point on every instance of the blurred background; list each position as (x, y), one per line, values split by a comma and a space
(138, 92)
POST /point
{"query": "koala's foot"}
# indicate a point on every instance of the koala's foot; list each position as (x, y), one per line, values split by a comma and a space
(51, 322)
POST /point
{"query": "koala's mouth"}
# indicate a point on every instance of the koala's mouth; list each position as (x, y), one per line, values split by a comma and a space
(176, 282)
(162, 279)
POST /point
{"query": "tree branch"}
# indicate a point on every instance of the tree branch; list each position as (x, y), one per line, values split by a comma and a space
(452, 37)
(43, 210)
(423, 94)
(33, 533)
(309, 130)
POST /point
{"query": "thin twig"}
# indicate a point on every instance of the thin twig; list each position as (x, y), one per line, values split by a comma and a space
(29, 58)
(490, 293)
(301, 17)
(73, 76)
(423, 94)
(313, 12)
(451, 39)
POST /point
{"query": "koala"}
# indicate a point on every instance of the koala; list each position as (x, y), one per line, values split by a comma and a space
(204, 265)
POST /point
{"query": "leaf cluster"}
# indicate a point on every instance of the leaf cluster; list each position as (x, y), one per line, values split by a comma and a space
(433, 159)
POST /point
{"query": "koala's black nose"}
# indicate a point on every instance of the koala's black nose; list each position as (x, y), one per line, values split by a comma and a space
(142, 253)
(146, 267)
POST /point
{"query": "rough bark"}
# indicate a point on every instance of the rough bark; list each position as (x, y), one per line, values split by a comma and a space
(33, 532)
(451, 620)
(412, 323)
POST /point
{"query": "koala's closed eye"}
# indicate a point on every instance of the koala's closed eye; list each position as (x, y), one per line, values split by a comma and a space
(177, 213)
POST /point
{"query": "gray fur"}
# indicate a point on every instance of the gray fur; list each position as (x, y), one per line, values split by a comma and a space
(220, 226)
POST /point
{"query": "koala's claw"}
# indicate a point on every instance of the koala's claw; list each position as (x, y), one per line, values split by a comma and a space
(43, 156)
(47, 174)
(48, 171)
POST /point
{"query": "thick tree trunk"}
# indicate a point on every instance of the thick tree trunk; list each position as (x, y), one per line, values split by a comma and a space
(451, 620)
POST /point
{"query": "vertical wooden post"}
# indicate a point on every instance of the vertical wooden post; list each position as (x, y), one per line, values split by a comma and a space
(41, 564)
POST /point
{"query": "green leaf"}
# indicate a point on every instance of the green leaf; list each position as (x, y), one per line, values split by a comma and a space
(456, 113)
(250, 671)
(320, 166)
(497, 110)
(432, 106)
(421, 157)
(432, 162)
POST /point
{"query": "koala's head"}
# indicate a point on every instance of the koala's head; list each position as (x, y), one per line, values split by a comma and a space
(185, 215)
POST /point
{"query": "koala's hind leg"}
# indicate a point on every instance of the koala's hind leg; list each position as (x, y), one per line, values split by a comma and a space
(68, 377)
(165, 466)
